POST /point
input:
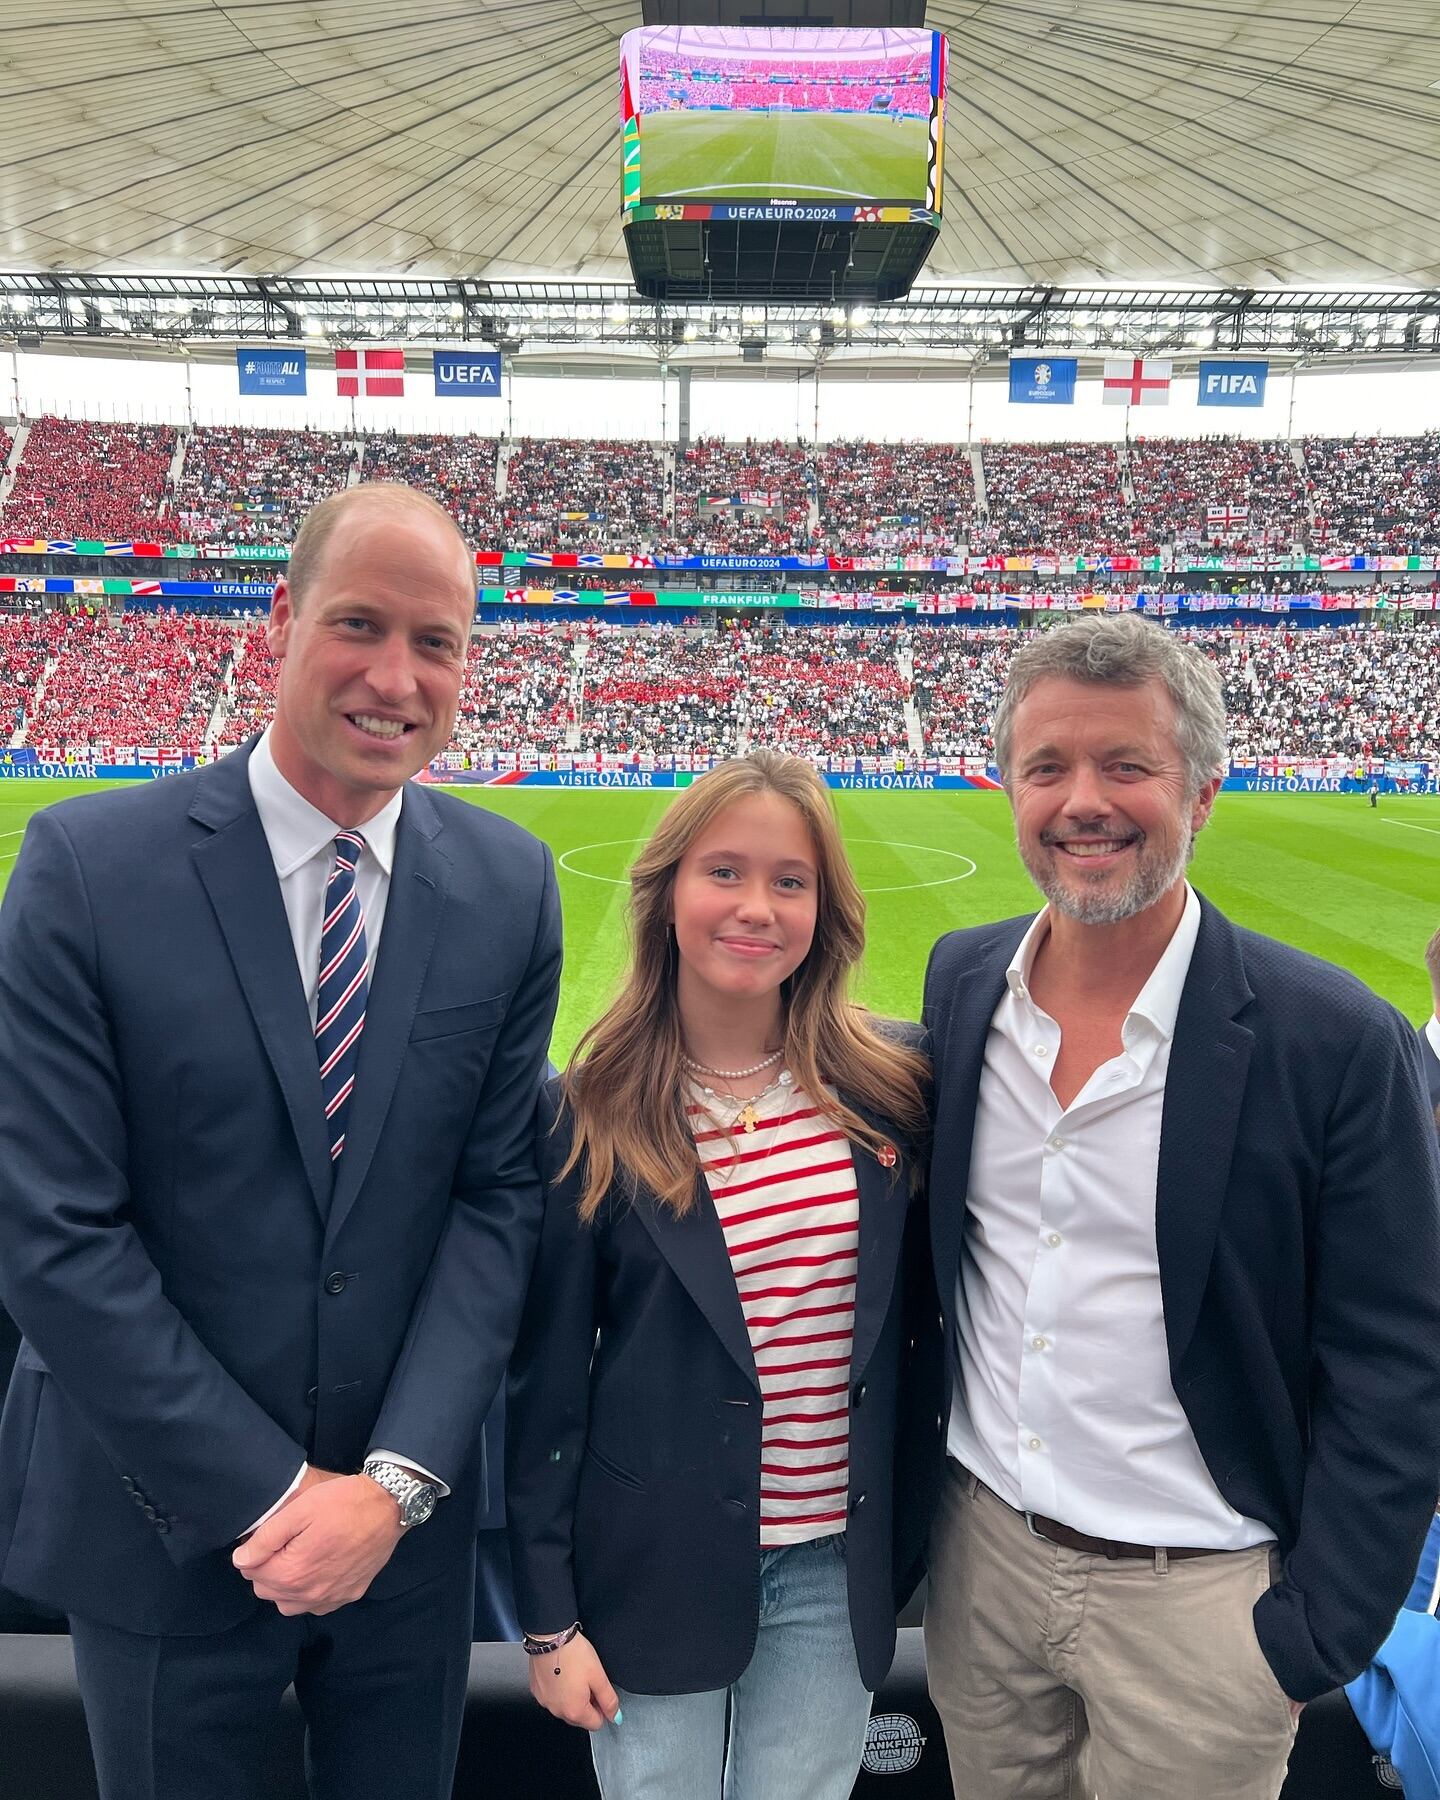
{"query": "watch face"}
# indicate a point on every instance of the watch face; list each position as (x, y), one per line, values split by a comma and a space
(418, 1508)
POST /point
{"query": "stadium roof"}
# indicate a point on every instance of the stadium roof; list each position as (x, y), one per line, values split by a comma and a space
(1249, 142)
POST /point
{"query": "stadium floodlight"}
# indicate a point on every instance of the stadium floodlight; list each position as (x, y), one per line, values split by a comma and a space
(692, 331)
(860, 315)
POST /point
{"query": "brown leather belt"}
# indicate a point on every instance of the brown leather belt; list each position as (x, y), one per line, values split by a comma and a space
(1053, 1532)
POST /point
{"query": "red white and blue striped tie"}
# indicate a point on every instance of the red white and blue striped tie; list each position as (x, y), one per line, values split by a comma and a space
(340, 997)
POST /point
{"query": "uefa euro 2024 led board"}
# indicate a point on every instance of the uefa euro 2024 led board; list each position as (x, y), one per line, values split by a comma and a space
(718, 117)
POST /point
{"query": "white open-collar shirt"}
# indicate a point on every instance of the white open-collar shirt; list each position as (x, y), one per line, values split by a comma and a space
(302, 846)
(1063, 1402)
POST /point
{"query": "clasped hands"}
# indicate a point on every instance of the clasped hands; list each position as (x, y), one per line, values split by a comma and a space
(324, 1547)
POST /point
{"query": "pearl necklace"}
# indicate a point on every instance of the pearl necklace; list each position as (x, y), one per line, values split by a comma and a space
(696, 1068)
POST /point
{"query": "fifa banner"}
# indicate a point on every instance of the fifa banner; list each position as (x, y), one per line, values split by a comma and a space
(269, 372)
(1042, 380)
(468, 374)
(1232, 383)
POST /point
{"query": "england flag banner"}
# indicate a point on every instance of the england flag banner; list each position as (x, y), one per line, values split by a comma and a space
(1232, 383)
(1137, 381)
(1042, 380)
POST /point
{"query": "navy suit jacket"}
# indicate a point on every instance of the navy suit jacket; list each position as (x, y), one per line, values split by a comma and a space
(201, 1312)
(634, 1430)
(1298, 1226)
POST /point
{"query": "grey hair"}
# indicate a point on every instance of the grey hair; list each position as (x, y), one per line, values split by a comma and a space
(1125, 650)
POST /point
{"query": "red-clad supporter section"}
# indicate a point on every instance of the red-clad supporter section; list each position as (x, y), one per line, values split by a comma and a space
(130, 682)
(895, 499)
(620, 486)
(1216, 494)
(1056, 497)
(826, 690)
(459, 472)
(80, 479)
(750, 499)
(242, 485)
(1376, 493)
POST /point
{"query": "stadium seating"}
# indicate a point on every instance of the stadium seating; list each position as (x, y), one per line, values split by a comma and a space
(242, 485)
(81, 479)
(747, 499)
(619, 485)
(895, 499)
(459, 472)
(1054, 497)
(1208, 494)
(1376, 494)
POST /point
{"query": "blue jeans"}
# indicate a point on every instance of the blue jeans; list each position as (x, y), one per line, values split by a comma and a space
(797, 1715)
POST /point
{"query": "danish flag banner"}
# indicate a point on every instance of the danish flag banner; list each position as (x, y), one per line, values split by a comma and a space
(1137, 381)
(370, 374)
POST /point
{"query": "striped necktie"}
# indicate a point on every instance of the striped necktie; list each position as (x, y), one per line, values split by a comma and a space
(340, 997)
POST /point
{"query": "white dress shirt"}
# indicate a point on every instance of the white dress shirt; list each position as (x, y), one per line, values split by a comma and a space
(1063, 1401)
(1432, 1032)
(302, 843)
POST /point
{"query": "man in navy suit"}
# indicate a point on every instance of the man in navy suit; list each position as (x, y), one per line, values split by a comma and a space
(1185, 1211)
(272, 1032)
(1430, 1030)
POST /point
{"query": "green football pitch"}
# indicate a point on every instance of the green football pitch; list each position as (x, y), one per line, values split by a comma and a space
(783, 156)
(1321, 871)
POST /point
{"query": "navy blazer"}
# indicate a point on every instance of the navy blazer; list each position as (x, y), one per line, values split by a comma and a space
(1298, 1226)
(201, 1311)
(634, 1430)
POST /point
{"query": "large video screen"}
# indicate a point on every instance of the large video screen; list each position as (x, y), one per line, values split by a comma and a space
(715, 113)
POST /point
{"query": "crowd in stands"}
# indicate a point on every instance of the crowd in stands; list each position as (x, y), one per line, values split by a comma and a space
(750, 499)
(242, 485)
(618, 487)
(1372, 494)
(1346, 691)
(1063, 497)
(135, 681)
(828, 690)
(895, 499)
(1240, 494)
(81, 479)
(459, 472)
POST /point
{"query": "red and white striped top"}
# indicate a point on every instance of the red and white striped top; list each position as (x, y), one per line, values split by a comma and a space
(790, 1211)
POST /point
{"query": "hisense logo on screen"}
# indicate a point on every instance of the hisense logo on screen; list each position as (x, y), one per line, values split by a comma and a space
(847, 118)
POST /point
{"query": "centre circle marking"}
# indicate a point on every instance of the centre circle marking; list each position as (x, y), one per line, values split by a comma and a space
(904, 887)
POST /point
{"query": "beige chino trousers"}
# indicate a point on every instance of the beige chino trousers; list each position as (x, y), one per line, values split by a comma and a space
(1060, 1675)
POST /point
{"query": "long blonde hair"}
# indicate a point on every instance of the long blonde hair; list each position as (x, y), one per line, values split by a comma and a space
(623, 1087)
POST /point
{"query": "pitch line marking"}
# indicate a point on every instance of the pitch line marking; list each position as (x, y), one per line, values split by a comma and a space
(1405, 825)
(19, 833)
(906, 887)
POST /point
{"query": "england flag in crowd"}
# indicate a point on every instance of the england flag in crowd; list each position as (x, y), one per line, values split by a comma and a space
(1137, 381)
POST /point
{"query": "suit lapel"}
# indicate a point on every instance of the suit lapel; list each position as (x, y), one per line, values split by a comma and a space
(419, 885)
(695, 1249)
(238, 873)
(1204, 1094)
(959, 1062)
(884, 1206)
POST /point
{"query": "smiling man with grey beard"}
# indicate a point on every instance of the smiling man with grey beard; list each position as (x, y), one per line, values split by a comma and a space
(1185, 1217)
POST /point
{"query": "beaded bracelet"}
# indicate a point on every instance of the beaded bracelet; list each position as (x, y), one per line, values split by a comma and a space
(533, 1646)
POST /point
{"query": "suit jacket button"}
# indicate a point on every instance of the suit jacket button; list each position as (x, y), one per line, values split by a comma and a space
(734, 1506)
(860, 1393)
(335, 1282)
(857, 1503)
(311, 1395)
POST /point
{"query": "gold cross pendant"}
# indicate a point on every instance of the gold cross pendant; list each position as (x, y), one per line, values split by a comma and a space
(747, 1118)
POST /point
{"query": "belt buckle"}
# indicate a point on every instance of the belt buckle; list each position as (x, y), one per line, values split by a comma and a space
(1029, 1519)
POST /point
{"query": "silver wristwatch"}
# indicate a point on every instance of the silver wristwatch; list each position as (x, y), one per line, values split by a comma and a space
(415, 1498)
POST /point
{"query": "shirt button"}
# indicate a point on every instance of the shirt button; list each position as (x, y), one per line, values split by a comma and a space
(1037, 1343)
(1042, 1050)
(1053, 1240)
(1057, 1143)
(1034, 1443)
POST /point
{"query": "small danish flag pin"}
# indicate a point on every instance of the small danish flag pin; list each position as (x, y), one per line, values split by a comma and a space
(885, 1156)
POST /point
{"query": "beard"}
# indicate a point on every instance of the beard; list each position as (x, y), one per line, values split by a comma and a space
(1097, 900)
